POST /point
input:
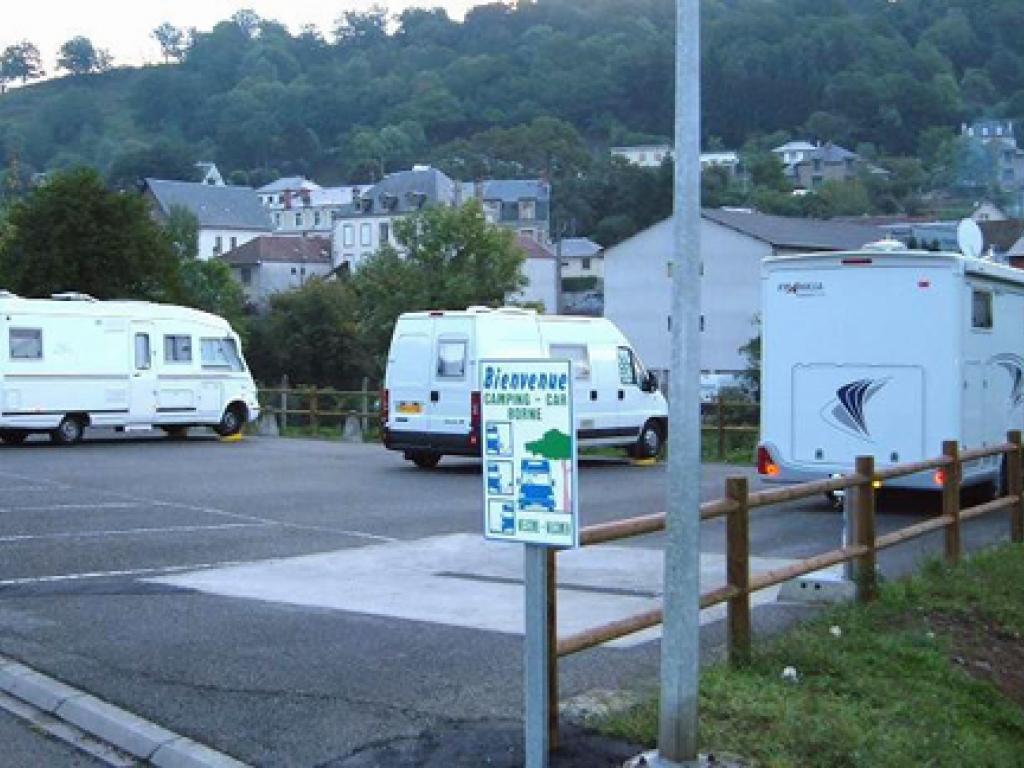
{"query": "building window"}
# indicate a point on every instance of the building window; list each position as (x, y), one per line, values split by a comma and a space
(702, 323)
(586, 263)
(218, 244)
(234, 243)
(385, 233)
(365, 235)
(348, 235)
(177, 349)
(26, 343)
(277, 220)
(527, 209)
(245, 273)
(981, 310)
(451, 359)
(298, 219)
(316, 218)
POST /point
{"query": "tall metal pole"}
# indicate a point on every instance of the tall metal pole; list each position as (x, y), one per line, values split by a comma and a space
(536, 667)
(677, 732)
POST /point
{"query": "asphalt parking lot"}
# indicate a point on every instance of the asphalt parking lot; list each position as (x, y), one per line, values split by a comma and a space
(300, 602)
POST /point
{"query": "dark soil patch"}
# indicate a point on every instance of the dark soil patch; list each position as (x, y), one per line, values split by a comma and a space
(985, 650)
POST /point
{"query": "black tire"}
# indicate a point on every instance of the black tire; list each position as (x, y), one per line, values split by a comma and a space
(13, 436)
(231, 423)
(176, 432)
(426, 459)
(650, 442)
(69, 431)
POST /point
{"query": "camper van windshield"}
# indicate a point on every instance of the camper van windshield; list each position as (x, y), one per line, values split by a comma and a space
(221, 354)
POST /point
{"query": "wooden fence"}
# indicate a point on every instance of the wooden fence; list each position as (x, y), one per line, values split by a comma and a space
(736, 506)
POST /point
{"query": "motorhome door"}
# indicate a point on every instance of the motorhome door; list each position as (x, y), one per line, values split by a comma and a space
(142, 397)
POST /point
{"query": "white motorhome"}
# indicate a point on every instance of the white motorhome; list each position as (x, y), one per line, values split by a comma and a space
(888, 352)
(431, 400)
(73, 362)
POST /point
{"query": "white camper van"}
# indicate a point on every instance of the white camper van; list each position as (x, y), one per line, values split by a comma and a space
(73, 362)
(888, 352)
(431, 402)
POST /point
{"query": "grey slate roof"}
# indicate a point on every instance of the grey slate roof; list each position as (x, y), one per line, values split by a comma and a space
(403, 192)
(287, 183)
(508, 190)
(281, 249)
(213, 206)
(579, 247)
(790, 232)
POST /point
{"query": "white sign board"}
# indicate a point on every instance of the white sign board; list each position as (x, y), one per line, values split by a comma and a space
(529, 452)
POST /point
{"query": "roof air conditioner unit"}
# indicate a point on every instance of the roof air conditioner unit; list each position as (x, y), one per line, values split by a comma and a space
(71, 296)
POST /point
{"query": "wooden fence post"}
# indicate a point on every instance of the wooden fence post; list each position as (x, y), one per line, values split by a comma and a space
(552, 650)
(283, 415)
(951, 500)
(721, 428)
(737, 558)
(1015, 483)
(364, 421)
(314, 410)
(864, 523)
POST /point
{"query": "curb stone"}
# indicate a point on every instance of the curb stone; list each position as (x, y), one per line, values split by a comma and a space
(113, 725)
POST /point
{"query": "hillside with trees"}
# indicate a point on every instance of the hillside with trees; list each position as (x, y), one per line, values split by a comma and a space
(533, 88)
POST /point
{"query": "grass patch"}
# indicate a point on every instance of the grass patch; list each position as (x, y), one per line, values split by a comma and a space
(739, 447)
(929, 675)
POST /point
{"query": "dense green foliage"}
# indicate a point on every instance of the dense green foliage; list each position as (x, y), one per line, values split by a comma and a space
(335, 333)
(895, 78)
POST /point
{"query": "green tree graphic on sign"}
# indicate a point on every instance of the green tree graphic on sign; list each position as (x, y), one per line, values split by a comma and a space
(555, 446)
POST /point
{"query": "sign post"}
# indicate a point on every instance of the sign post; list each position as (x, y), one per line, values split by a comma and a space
(528, 441)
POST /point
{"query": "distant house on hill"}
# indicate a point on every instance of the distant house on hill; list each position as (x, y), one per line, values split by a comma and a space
(271, 264)
(999, 139)
(809, 166)
(209, 174)
(227, 216)
(522, 205)
(540, 268)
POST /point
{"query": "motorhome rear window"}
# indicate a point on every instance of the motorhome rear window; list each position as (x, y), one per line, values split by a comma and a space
(981, 309)
(451, 359)
(26, 343)
(221, 354)
(178, 349)
(143, 359)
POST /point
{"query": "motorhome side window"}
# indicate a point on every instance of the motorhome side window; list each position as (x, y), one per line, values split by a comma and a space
(451, 359)
(26, 343)
(221, 354)
(627, 370)
(178, 349)
(981, 309)
(577, 353)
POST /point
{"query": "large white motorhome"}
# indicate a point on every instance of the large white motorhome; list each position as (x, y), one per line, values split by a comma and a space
(431, 401)
(888, 352)
(73, 362)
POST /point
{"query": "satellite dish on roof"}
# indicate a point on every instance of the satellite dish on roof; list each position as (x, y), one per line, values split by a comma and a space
(969, 238)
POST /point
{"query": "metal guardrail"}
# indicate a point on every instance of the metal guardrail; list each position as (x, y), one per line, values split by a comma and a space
(736, 506)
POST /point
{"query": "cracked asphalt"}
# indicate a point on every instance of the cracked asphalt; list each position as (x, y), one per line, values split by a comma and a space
(281, 685)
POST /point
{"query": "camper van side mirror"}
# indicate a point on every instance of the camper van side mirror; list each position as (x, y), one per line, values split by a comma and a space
(650, 383)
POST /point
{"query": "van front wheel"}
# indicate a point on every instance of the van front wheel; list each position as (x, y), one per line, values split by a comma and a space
(231, 422)
(650, 443)
(69, 431)
(426, 459)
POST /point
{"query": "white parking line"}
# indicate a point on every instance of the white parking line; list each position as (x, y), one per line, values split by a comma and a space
(128, 532)
(62, 507)
(127, 572)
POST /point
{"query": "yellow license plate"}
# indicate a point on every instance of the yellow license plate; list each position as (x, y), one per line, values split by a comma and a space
(410, 408)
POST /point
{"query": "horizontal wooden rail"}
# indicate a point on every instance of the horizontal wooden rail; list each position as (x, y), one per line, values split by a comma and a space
(804, 490)
(803, 567)
(912, 532)
(1006, 502)
(984, 453)
(902, 470)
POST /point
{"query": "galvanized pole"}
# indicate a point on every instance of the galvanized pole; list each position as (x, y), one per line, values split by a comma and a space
(536, 660)
(677, 732)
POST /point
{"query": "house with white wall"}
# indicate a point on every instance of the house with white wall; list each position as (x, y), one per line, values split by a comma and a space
(301, 207)
(734, 242)
(540, 268)
(522, 205)
(227, 216)
(581, 257)
(270, 264)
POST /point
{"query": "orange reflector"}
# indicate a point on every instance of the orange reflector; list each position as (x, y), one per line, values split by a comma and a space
(772, 469)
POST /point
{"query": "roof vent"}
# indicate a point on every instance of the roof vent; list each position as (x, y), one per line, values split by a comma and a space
(887, 245)
(71, 296)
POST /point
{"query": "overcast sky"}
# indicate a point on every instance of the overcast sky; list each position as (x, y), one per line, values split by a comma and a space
(124, 28)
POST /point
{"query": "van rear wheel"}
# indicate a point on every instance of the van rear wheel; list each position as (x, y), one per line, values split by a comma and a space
(69, 431)
(426, 459)
(231, 422)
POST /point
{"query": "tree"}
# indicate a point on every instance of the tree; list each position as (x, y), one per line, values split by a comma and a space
(452, 259)
(164, 159)
(173, 41)
(80, 57)
(72, 234)
(20, 61)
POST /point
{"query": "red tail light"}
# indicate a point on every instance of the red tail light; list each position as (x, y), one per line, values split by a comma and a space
(474, 419)
(939, 478)
(765, 465)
